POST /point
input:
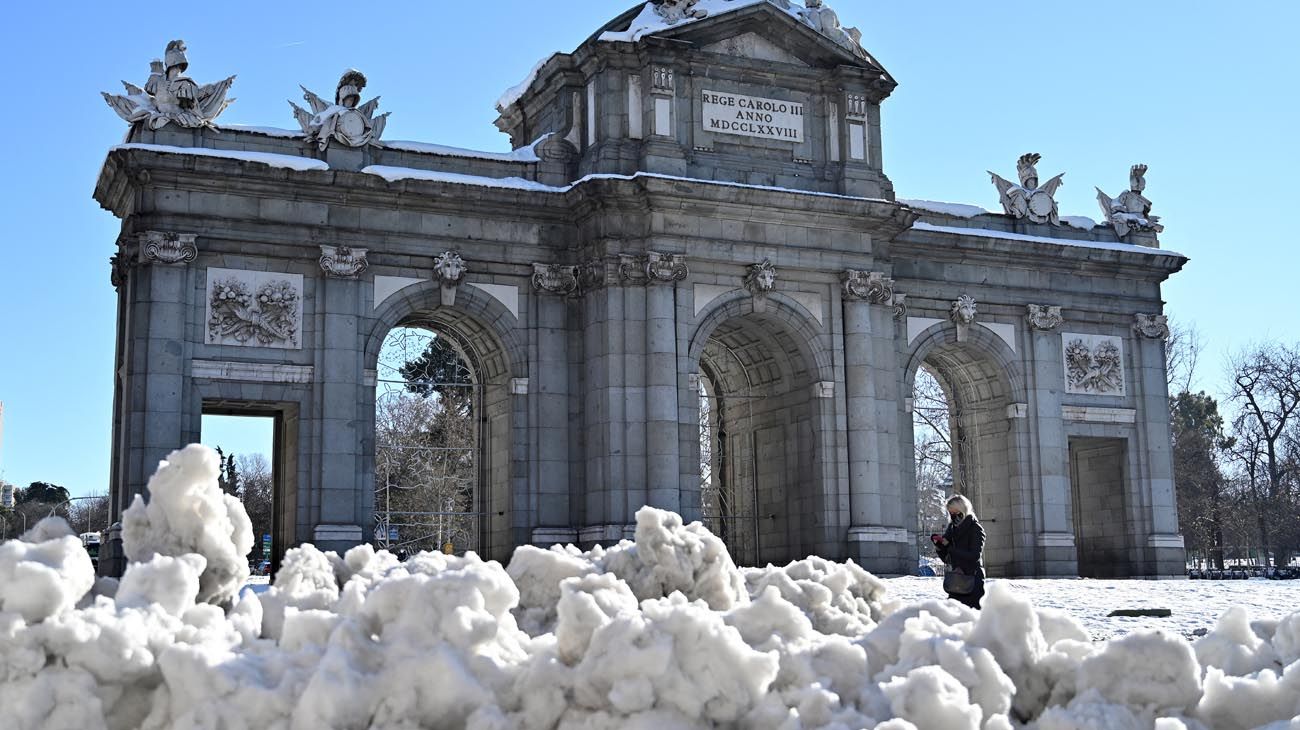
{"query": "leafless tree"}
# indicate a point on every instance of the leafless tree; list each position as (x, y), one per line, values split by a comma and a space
(89, 515)
(1266, 391)
(1182, 353)
(932, 454)
(257, 493)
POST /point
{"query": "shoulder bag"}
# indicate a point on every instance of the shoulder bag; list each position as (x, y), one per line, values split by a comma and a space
(958, 582)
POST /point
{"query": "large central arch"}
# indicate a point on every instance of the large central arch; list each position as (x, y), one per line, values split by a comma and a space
(763, 431)
(982, 381)
(480, 327)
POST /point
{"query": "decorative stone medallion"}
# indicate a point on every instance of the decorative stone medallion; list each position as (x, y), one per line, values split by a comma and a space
(254, 309)
(1094, 364)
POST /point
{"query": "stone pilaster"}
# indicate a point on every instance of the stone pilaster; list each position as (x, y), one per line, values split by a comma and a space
(343, 505)
(1155, 480)
(877, 535)
(1054, 544)
(548, 393)
(155, 414)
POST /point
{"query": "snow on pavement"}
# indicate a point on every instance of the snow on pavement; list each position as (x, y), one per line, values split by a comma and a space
(663, 632)
(1196, 604)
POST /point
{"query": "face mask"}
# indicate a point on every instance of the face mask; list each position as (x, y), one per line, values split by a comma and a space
(955, 517)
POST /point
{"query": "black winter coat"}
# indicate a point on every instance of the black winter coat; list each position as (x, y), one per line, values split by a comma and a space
(965, 548)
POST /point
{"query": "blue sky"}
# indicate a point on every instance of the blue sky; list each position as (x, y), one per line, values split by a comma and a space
(1204, 93)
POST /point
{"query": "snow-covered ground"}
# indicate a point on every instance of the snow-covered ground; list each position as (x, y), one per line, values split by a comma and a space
(1196, 604)
(660, 633)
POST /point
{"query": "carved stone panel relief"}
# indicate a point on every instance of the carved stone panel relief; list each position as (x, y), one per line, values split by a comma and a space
(1094, 364)
(254, 309)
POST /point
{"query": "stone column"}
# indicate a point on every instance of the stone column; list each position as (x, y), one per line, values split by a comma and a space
(344, 504)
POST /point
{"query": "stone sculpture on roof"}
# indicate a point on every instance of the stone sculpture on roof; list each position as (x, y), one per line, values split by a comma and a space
(343, 121)
(169, 96)
(674, 11)
(1131, 211)
(1028, 200)
(825, 21)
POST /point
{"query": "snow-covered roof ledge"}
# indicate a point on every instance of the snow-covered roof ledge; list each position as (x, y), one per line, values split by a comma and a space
(1004, 235)
(526, 154)
(514, 93)
(291, 162)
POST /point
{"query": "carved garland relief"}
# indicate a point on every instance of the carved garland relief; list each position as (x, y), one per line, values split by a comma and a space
(1094, 364)
(254, 309)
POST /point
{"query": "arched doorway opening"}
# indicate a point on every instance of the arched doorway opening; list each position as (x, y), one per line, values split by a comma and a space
(429, 401)
(980, 445)
(757, 440)
(932, 456)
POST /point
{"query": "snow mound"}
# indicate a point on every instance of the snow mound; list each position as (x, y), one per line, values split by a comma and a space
(659, 632)
(188, 513)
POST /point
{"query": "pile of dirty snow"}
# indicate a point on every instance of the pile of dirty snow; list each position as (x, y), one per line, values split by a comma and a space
(662, 632)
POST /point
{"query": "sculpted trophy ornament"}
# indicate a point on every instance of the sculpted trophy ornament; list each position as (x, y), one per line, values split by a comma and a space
(825, 21)
(675, 11)
(1028, 200)
(343, 121)
(171, 97)
(1043, 317)
(1131, 211)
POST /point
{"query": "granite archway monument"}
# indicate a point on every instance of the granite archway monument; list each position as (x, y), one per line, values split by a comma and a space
(695, 203)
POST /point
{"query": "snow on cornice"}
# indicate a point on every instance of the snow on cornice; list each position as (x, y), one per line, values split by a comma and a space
(1004, 235)
(291, 162)
(966, 210)
(513, 93)
(957, 210)
(523, 154)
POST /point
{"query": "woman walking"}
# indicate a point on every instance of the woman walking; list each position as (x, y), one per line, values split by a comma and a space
(961, 546)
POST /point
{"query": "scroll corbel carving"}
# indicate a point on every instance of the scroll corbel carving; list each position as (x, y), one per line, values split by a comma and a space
(1042, 317)
(900, 307)
(665, 267)
(168, 248)
(343, 262)
(1151, 326)
(555, 279)
(873, 286)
